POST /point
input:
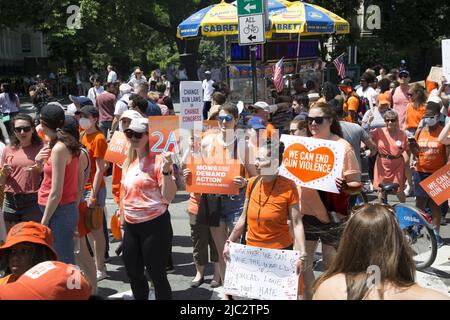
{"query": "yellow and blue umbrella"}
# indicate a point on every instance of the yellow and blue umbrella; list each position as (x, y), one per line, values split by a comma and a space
(220, 19)
(308, 19)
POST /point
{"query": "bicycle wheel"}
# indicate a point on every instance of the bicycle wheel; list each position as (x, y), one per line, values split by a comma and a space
(420, 238)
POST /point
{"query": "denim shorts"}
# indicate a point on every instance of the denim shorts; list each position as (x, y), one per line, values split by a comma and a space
(101, 196)
(417, 179)
(21, 207)
(232, 207)
(63, 224)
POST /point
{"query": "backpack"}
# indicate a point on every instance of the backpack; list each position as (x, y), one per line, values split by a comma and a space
(363, 107)
(337, 202)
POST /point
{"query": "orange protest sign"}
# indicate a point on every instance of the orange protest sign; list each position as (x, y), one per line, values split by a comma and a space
(163, 134)
(438, 185)
(312, 163)
(212, 179)
(117, 149)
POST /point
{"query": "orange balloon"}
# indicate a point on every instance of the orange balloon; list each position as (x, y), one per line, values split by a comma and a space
(115, 228)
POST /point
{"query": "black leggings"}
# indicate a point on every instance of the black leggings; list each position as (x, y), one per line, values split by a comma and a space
(147, 245)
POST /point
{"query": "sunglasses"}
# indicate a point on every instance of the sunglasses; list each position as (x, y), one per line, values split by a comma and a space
(24, 129)
(227, 118)
(317, 120)
(390, 120)
(403, 76)
(130, 134)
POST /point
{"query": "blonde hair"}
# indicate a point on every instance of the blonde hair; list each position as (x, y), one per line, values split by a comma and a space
(131, 156)
(153, 95)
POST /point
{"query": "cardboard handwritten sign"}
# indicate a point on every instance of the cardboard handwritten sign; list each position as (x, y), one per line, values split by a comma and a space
(438, 185)
(191, 104)
(312, 163)
(163, 134)
(263, 274)
(117, 149)
(212, 178)
(446, 59)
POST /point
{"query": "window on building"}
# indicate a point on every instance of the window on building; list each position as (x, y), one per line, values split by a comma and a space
(26, 43)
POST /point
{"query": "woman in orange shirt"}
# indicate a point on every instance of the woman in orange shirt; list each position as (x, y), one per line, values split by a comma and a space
(27, 244)
(416, 108)
(268, 208)
(431, 155)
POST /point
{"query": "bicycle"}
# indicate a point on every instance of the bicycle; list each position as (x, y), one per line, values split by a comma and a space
(415, 224)
(251, 29)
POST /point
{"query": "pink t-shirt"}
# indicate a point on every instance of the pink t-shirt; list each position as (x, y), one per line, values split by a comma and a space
(106, 103)
(22, 180)
(70, 186)
(141, 183)
(401, 100)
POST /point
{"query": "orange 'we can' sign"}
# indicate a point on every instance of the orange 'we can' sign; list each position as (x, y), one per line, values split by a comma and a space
(312, 163)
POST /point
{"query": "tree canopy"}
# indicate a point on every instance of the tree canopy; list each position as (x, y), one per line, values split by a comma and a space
(142, 32)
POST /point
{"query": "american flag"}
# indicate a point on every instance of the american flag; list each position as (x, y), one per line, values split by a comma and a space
(278, 71)
(340, 67)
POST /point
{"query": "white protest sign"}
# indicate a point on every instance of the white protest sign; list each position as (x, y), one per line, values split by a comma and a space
(446, 59)
(263, 274)
(312, 163)
(191, 105)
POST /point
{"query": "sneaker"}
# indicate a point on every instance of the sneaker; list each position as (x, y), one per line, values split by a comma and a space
(101, 275)
(170, 269)
(439, 241)
(409, 192)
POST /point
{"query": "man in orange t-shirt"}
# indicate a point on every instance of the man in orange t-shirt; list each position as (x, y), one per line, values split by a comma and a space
(351, 104)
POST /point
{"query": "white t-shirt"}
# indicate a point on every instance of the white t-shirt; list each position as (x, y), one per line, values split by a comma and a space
(8, 106)
(94, 92)
(135, 82)
(208, 89)
(371, 95)
(378, 120)
(122, 105)
(112, 76)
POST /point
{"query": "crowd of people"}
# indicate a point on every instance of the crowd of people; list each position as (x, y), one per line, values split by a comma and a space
(53, 172)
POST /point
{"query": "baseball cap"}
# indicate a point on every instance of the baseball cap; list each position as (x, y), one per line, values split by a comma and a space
(81, 100)
(71, 127)
(49, 280)
(29, 231)
(264, 106)
(207, 72)
(347, 83)
(257, 123)
(130, 114)
(382, 99)
(139, 125)
(53, 116)
(125, 88)
(89, 111)
(72, 110)
(302, 116)
(404, 72)
(434, 98)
